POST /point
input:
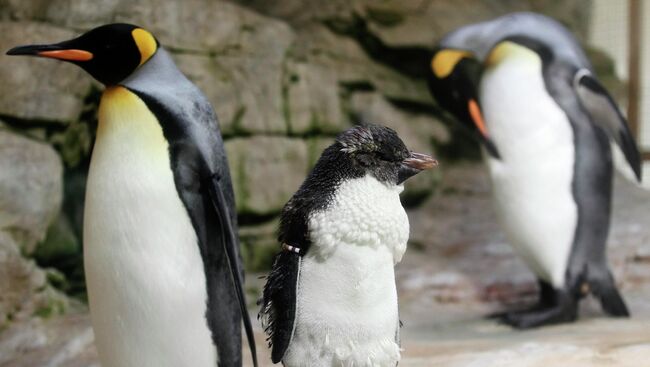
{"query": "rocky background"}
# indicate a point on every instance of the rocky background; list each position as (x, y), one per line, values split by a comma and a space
(284, 77)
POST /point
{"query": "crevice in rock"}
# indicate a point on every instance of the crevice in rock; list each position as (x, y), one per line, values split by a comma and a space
(252, 219)
(410, 61)
(312, 133)
(22, 124)
(358, 86)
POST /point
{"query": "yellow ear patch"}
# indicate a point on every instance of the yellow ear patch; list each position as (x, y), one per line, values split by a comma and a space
(444, 62)
(146, 44)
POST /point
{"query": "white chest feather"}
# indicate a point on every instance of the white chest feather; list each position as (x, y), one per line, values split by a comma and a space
(146, 283)
(532, 183)
(347, 301)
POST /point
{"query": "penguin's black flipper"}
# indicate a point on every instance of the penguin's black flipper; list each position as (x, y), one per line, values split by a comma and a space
(605, 113)
(279, 303)
(279, 298)
(229, 244)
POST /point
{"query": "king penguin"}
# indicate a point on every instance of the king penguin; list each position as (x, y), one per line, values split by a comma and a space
(160, 249)
(526, 86)
(330, 299)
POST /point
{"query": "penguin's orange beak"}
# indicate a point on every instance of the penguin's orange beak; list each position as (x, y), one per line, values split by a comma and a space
(52, 51)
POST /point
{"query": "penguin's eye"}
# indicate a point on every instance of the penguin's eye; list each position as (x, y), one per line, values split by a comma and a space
(384, 156)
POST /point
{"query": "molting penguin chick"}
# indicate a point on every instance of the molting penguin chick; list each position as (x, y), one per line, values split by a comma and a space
(330, 299)
(161, 257)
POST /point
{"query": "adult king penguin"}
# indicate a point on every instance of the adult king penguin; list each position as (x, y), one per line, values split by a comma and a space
(527, 87)
(160, 249)
(330, 299)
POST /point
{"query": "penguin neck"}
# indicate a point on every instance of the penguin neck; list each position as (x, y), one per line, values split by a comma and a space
(332, 168)
(158, 73)
(510, 50)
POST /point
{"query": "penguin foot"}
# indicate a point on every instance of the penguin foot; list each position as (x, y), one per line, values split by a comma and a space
(565, 310)
(501, 315)
(547, 296)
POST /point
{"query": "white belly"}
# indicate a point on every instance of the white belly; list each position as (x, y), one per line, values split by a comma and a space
(532, 184)
(146, 283)
(347, 311)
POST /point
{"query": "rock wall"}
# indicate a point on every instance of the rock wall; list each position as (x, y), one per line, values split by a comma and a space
(30, 198)
(283, 76)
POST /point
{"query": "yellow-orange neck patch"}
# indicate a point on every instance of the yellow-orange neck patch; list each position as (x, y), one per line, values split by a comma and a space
(146, 43)
(509, 49)
(444, 62)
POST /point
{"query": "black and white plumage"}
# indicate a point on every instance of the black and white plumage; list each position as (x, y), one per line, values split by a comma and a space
(335, 303)
(161, 255)
(547, 124)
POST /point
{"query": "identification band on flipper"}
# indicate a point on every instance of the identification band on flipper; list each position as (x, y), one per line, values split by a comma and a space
(293, 249)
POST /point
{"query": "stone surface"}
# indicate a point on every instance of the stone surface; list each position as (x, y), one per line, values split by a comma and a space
(30, 198)
(259, 244)
(30, 188)
(416, 22)
(313, 103)
(409, 23)
(197, 26)
(60, 242)
(245, 92)
(316, 146)
(588, 343)
(266, 171)
(63, 342)
(25, 293)
(354, 68)
(38, 89)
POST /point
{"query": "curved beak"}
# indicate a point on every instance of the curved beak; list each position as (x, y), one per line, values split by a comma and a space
(414, 164)
(55, 51)
(477, 118)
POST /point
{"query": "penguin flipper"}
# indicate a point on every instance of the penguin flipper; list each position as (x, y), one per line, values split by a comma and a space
(279, 303)
(229, 244)
(605, 113)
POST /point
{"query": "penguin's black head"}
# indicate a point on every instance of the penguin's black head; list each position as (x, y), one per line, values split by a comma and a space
(453, 81)
(109, 53)
(379, 151)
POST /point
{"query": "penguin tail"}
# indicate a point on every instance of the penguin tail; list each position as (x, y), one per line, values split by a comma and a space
(603, 287)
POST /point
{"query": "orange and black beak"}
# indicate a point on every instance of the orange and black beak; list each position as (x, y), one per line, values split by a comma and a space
(54, 51)
(414, 164)
(477, 117)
